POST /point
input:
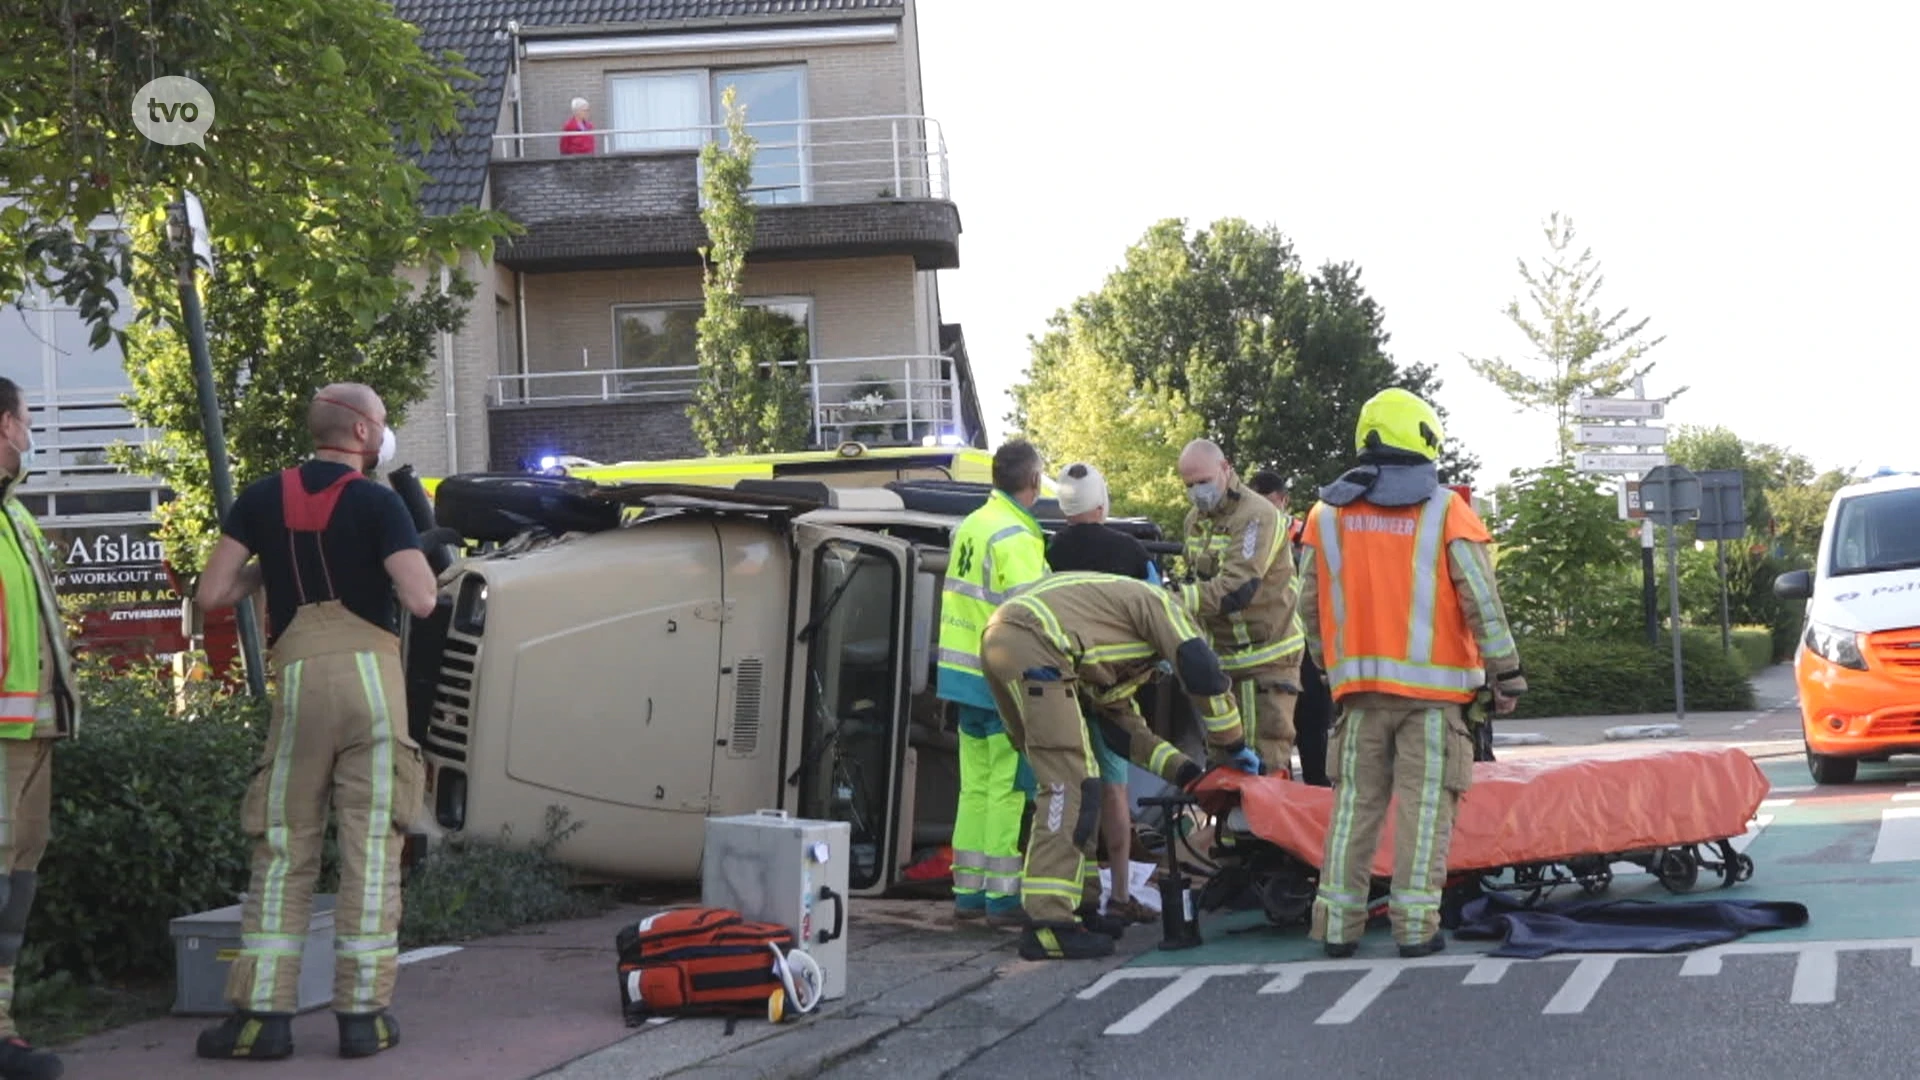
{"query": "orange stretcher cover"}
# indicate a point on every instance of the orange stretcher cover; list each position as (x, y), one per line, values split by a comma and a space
(1537, 810)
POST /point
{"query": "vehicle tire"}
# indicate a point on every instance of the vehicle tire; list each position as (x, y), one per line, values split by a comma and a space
(1827, 769)
(495, 507)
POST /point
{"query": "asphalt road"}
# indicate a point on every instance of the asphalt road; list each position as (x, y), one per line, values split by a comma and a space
(1837, 997)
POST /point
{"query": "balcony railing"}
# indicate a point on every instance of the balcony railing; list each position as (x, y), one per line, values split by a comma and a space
(836, 160)
(893, 400)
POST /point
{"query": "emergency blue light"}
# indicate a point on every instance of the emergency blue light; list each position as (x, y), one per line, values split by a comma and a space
(549, 461)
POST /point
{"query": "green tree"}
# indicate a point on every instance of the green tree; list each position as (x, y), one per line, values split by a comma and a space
(272, 347)
(320, 112)
(1275, 362)
(1584, 351)
(745, 402)
(1086, 406)
(1565, 562)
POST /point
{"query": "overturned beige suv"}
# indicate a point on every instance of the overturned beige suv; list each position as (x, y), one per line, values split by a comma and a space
(647, 655)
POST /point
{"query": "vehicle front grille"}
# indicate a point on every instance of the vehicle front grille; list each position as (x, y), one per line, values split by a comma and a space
(449, 728)
(1897, 651)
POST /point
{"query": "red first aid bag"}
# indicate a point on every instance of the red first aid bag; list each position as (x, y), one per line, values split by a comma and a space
(698, 962)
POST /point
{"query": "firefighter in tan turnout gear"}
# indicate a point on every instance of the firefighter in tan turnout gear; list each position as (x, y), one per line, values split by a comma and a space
(334, 548)
(1406, 618)
(1100, 636)
(1246, 594)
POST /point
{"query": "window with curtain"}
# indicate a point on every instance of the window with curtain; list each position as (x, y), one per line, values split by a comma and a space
(665, 111)
(775, 100)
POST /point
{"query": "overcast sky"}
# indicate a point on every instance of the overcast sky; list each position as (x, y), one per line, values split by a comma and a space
(1744, 174)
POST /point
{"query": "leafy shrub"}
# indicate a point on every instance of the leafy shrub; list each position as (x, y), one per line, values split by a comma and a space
(1755, 643)
(146, 821)
(1616, 678)
(146, 828)
(472, 887)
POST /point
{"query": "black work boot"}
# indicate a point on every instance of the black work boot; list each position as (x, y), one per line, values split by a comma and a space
(1063, 941)
(251, 1035)
(1111, 925)
(366, 1034)
(1432, 945)
(1340, 950)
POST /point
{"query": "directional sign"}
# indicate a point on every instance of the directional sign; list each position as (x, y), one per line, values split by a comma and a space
(1620, 408)
(1670, 494)
(1619, 463)
(1621, 435)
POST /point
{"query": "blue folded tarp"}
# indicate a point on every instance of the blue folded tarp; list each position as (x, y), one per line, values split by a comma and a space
(1618, 925)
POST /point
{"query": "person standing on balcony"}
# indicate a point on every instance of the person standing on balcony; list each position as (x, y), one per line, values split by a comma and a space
(578, 122)
(997, 547)
(37, 709)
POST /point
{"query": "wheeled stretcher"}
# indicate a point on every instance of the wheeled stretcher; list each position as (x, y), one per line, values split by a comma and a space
(1525, 828)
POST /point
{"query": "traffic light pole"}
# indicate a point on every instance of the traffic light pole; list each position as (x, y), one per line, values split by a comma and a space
(182, 234)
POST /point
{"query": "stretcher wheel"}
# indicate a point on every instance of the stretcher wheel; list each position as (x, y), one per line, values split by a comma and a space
(1678, 869)
(1742, 870)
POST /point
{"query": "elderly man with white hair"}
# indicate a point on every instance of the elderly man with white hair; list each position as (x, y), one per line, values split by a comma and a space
(1087, 543)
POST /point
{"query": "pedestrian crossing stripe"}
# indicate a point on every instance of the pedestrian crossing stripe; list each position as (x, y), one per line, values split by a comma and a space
(1815, 979)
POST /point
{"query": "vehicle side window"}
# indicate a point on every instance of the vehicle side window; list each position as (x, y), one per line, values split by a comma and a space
(853, 674)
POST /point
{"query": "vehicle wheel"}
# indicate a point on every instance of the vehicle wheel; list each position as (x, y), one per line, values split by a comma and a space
(1678, 869)
(494, 507)
(1827, 769)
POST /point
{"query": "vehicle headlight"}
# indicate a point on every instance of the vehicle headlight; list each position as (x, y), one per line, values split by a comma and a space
(1836, 645)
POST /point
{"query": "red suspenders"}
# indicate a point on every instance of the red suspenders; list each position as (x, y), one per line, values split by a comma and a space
(309, 513)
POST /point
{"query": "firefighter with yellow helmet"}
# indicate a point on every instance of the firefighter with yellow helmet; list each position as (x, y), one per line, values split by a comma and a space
(1404, 615)
(1099, 637)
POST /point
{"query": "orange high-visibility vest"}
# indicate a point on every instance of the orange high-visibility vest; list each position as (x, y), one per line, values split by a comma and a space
(1389, 614)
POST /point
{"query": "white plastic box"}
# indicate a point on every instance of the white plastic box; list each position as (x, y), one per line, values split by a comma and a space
(791, 871)
(205, 946)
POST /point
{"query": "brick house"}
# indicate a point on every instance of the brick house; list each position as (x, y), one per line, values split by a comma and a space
(580, 338)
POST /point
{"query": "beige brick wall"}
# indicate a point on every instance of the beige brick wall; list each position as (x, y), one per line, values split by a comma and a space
(475, 358)
(861, 307)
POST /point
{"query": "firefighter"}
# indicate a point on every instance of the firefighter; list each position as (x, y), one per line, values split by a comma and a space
(1101, 637)
(1407, 621)
(37, 709)
(995, 548)
(1313, 712)
(1242, 586)
(334, 548)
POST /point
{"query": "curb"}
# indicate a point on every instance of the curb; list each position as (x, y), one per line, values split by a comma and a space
(1522, 738)
(1645, 731)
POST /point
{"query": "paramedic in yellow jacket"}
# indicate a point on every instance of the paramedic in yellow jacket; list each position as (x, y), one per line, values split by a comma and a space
(1245, 593)
(1099, 637)
(997, 547)
(37, 709)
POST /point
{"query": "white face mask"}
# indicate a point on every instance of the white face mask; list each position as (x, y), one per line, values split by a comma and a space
(386, 449)
(1205, 496)
(26, 457)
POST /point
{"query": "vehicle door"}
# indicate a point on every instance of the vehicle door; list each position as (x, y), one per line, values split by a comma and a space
(851, 658)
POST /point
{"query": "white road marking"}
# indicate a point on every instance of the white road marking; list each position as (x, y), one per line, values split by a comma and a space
(1775, 803)
(1907, 796)
(1899, 838)
(1181, 988)
(1577, 992)
(1360, 995)
(431, 952)
(1793, 790)
(1486, 973)
(1815, 978)
(1745, 840)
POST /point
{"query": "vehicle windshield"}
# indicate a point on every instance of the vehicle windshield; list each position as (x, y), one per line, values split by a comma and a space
(1877, 532)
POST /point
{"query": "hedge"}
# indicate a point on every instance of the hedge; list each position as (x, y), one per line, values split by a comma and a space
(146, 828)
(1585, 678)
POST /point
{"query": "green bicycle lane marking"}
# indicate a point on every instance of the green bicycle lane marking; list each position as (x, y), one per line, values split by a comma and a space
(1814, 847)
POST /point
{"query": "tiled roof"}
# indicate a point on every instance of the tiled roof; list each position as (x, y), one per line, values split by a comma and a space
(476, 29)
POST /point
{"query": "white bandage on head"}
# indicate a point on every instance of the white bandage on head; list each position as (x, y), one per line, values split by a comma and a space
(1082, 489)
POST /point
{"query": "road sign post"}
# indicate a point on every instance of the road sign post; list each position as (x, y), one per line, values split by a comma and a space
(1670, 495)
(1649, 444)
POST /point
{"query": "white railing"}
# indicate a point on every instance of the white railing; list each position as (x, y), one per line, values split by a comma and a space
(838, 160)
(871, 399)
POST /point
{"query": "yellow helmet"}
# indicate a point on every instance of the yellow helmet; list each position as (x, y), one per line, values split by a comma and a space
(1394, 419)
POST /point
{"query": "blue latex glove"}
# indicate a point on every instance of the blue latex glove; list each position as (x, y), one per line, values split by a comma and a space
(1246, 761)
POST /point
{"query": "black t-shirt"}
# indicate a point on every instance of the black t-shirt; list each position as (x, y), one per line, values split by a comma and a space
(1095, 548)
(369, 523)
